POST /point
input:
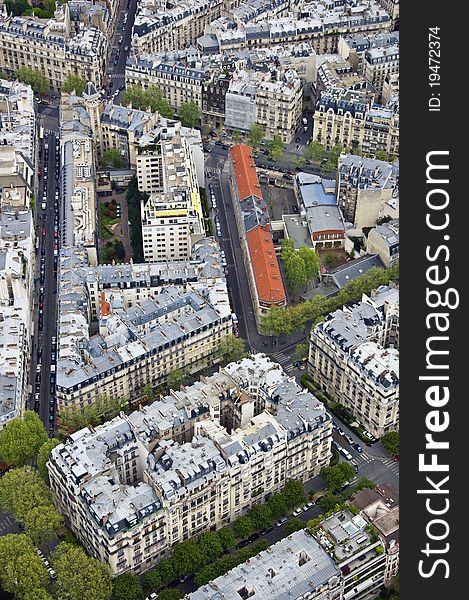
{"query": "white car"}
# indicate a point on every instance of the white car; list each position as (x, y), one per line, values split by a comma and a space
(297, 512)
(349, 439)
(346, 453)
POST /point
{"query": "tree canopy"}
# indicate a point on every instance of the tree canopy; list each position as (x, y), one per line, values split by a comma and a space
(21, 568)
(231, 349)
(280, 321)
(177, 378)
(276, 148)
(189, 114)
(21, 490)
(127, 587)
(79, 577)
(335, 477)
(73, 83)
(21, 439)
(147, 98)
(256, 135)
(35, 79)
(390, 442)
(44, 455)
(111, 158)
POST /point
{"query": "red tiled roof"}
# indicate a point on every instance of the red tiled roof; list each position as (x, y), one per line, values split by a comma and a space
(264, 263)
(105, 306)
(245, 172)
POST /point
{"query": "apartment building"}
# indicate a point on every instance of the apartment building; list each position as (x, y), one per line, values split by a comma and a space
(319, 23)
(297, 564)
(177, 82)
(353, 47)
(384, 240)
(191, 462)
(112, 125)
(18, 137)
(364, 186)
(18, 184)
(346, 117)
(252, 219)
(78, 195)
(172, 216)
(151, 320)
(353, 356)
(272, 99)
(340, 559)
(380, 507)
(360, 556)
(380, 63)
(50, 48)
(158, 27)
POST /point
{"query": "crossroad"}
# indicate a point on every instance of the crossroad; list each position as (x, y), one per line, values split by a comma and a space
(364, 458)
(284, 360)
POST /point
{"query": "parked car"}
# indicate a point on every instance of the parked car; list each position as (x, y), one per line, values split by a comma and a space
(297, 512)
(281, 521)
(253, 537)
(358, 448)
(349, 439)
(242, 544)
(340, 431)
(267, 530)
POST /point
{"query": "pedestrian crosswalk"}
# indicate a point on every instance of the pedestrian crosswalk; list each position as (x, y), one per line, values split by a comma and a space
(364, 458)
(284, 360)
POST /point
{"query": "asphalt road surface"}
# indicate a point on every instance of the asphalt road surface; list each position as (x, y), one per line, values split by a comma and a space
(45, 296)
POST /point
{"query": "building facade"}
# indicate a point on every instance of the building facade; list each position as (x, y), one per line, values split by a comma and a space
(171, 211)
(354, 357)
(151, 320)
(190, 462)
(50, 48)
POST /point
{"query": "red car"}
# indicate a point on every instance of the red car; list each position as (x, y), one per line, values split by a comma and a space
(56, 234)
(396, 457)
(43, 232)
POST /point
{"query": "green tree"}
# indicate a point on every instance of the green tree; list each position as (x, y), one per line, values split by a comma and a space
(127, 587)
(187, 557)
(299, 162)
(260, 516)
(302, 350)
(329, 503)
(335, 477)
(151, 580)
(294, 493)
(21, 567)
(177, 378)
(74, 83)
(166, 570)
(210, 545)
(294, 525)
(276, 148)
(295, 273)
(231, 349)
(382, 155)
(37, 594)
(43, 456)
(287, 249)
(189, 114)
(206, 574)
(390, 442)
(111, 158)
(42, 524)
(235, 136)
(150, 98)
(314, 152)
(227, 538)
(277, 506)
(256, 135)
(22, 490)
(170, 594)
(21, 439)
(17, 7)
(311, 261)
(35, 79)
(79, 577)
(243, 527)
(277, 321)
